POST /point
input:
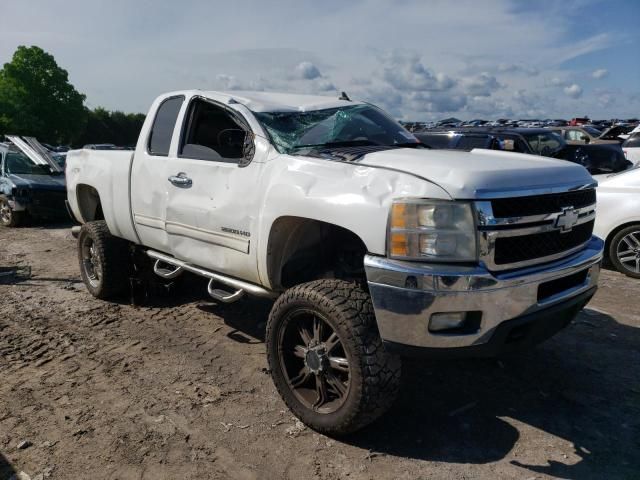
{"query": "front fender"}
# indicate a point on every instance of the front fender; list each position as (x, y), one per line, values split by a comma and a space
(354, 197)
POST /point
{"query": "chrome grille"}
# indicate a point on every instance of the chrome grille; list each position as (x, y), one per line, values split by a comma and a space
(541, 204)
(539, 245)
(524, 231)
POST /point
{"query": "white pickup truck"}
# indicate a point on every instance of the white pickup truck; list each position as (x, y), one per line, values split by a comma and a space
(372, 245)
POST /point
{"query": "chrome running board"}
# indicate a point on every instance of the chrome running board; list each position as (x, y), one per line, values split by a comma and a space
(240, 286)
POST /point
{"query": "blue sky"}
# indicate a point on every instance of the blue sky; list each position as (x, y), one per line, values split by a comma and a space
(419, 59)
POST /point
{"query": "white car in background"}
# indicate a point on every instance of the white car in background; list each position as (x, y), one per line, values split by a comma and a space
(631, 148)
(618, 219)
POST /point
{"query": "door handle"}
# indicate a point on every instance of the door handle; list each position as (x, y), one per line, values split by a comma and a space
(181, 180)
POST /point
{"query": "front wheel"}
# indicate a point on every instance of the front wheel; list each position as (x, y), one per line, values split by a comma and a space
(624, 251)
(9, 217)
(327, 359)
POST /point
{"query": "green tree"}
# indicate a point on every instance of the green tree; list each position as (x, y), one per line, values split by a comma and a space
(114, 127)
(37, 99)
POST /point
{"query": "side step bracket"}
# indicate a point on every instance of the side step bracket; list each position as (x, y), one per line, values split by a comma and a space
(222, 295)
(164, 272)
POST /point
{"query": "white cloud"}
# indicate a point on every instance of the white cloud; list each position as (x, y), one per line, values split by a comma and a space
(307, 71)
(436, 102)
(518, 68)
(482, 85)
(324, 85)
(600, 73)
(557, 82)
(231, 82)
(360, 81)
(407, 73)
(574, 90)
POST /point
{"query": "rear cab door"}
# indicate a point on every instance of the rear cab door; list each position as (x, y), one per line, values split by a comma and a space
(149, 172)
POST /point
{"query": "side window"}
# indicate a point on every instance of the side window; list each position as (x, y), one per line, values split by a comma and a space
(163, 125)
(575, 135)
(509, 144)
(212, 133)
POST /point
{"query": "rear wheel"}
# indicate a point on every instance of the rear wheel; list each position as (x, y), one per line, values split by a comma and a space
(327, 359)
(104, 260)
(624, 251)
(8, 217)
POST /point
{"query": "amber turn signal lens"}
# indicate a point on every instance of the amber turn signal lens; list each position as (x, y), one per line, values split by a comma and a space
(398, 215)
(399, 244)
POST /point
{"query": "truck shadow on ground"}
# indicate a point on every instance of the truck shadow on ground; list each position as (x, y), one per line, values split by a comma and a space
(579, 387)
(6, 469)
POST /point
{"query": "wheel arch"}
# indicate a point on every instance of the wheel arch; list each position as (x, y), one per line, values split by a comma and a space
(301, 249)
(89, 203)
(614, 232)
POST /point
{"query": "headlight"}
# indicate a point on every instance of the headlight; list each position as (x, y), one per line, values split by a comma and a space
(436, 230)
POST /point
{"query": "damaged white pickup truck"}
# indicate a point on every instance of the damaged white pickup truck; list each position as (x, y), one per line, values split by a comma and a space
(372, 245)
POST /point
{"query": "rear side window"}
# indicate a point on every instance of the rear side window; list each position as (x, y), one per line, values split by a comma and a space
(632, 142)
(163, 125)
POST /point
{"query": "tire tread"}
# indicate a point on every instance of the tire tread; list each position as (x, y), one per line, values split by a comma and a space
(350, 306)
(114, 256)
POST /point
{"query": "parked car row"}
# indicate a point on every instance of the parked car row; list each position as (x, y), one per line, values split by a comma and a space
(621, 126)
(597, 158)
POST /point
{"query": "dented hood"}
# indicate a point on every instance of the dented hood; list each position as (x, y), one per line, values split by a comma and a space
(483, 173)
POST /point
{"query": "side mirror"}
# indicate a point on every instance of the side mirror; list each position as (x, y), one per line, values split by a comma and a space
(237, 143)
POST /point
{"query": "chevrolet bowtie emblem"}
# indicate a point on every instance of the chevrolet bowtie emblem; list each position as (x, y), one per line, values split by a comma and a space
(567, 219)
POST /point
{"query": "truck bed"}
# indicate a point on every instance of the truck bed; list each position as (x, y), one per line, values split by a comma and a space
(108, 172)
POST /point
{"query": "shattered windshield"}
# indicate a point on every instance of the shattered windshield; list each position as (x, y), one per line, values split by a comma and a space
(17, 163)
(293, 132)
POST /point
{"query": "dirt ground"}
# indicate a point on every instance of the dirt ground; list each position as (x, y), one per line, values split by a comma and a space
(179, 389)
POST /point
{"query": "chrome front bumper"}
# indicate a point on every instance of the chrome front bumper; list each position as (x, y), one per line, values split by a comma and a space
(406, 294)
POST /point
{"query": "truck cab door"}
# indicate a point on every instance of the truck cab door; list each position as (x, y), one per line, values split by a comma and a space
(213, 184)
(148, 182)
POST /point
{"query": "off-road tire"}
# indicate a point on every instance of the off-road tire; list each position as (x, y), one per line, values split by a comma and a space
(114, 257)
(613, 249)
(374, 373)
(15, 218)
